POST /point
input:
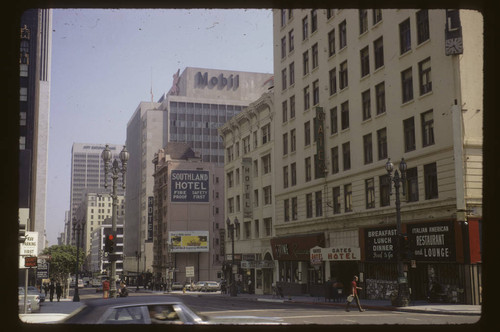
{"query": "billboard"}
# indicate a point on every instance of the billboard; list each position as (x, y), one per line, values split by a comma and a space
(189, 186)
(188, 241)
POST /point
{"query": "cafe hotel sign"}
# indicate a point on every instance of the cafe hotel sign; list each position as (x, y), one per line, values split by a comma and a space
(341, 253)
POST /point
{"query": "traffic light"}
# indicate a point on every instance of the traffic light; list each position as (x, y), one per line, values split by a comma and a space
(404, 245)
(22, 233)
(110, 242)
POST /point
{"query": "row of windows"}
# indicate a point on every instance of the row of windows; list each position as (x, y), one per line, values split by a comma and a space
(265, 137)
(427, 128)
(315, 208)
(247, 229)
(207, 109)
(234, 203)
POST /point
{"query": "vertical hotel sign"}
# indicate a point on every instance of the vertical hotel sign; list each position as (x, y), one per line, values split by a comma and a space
(319, 127)
(247, 188)
(150, 218)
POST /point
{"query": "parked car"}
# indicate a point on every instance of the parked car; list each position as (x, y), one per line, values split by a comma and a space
(34, 299)
(21, 305)
(177, 285)
(151, 310)
(33, 290)
(207, 286)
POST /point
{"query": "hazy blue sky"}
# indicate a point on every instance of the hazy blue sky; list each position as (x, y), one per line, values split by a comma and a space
(104, 63)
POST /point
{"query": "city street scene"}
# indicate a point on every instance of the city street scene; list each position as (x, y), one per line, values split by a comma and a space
(251, 166)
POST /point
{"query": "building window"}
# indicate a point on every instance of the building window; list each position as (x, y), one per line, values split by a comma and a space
(427, 128)
(366, 103)
(314, 51)
(316, 92)
(348, 197)
(412, 185)
(248, 227)
(365, 61)
(407, 85)
(290, 41)
(422, 25)
(333, 121)
(255, 168)
(314, 20)
(344, 115)
(385, 190)
(336, 200)
(285, 144)
(292, 73)
(409, 134)
(268, 224)
(286, 207)
(318, 195)
(380, 97)
(331, 42)
(378, 50)
(330, 13)
(255, 140)
(284, 111)
(343, 80)
(22, 118)
(293, 170)
(363, 21)
(430, 180)
(283, 79)
(308, 168)
(307, 133)
(267, 195)
(294, 208)
(283, 47)
(306, 98)
(342, 34)
(292, 107)
(293, 140)
(23, 94)
(283, 17)
(333, 81)
(367, 148)
(335, 159)
(305, 62)
(256, 228)
(424, 75)
(22, 143)
(346, 155)
(246, 144)
(377, 16)
(266, 164)
(230, 205)
(404, 36)
(237, 176)
(230, 178)
(266, 134)
(382, 143)
(370, 193)
(285, 176)
(256, 198)
(238, 206)
(309, 206)
(305, 29)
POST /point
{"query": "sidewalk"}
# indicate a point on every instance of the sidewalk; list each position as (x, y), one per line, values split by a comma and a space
(419, 306)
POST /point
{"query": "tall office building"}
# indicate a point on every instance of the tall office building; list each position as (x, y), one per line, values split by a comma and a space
(199, 102)
(34, 61)
(354, 88)
(87, 176)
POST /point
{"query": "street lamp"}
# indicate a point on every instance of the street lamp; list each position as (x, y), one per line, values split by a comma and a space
(114, 170)
(230, 228)
(78, 226)
(138, 257)
(403, 294)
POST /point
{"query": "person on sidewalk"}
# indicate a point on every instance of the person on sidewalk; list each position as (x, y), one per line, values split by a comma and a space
(105, 289)
(58, 291)
(354, 294)
(52, 288)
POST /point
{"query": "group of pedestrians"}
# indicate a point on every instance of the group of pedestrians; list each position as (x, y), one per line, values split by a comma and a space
(53, 288)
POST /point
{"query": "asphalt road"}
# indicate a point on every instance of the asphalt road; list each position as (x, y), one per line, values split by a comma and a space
(215, 304)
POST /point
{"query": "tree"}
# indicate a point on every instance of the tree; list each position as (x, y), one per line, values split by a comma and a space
(63, 261)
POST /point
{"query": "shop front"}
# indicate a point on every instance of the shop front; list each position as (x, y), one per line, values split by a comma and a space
(296, 275)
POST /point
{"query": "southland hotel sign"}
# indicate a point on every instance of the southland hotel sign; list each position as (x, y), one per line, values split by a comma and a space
(189, 186)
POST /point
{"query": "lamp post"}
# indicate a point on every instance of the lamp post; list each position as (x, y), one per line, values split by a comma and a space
(114, 170)
(403, 294)
(230, 228)
(138, 257)
(77, 226)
